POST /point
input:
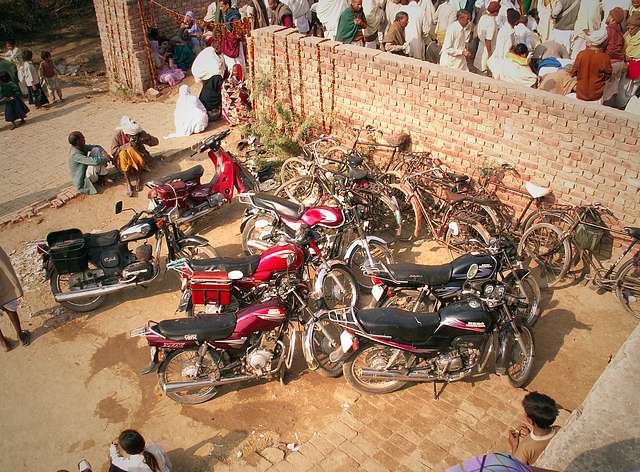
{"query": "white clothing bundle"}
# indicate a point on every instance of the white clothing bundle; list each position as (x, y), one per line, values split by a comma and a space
(190, 115)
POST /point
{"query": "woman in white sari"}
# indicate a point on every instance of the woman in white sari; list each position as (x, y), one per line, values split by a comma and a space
(190, 115)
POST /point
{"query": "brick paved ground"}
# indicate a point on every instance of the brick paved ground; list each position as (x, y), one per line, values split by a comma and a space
(33, 158)
(404, 431)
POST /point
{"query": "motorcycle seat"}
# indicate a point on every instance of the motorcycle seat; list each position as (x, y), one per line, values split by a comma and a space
(457, 178)
(102, 239)
(398, 323)
(279, 205)
(247, 264)
(421, 274)
(633, 232)
(189, 174)
(210, 328)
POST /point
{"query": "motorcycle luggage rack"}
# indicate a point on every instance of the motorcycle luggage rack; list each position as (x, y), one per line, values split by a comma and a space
(345, 317)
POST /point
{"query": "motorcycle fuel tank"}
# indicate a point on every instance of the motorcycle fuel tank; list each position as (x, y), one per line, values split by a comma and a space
(473, 267)
(327, 216)
(279, 259)
(259, 317)
(463, 318)
(141, 230)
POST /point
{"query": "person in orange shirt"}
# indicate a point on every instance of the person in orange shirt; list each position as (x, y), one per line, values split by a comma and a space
(592, 68)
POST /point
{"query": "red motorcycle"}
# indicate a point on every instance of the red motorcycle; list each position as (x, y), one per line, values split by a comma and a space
(193, 199)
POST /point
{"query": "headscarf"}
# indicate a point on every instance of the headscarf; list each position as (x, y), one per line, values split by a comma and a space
(188, 17)
(494, 7)
(190, 115)
(129, 126)
(618, 15)
(598, 37)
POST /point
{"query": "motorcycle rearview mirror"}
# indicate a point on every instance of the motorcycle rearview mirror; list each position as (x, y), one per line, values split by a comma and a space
(119, 207)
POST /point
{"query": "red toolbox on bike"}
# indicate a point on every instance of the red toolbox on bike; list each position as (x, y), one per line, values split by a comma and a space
(210, 288)
(172, 194)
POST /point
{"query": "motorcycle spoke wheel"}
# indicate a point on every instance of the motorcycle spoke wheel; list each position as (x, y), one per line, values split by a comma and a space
(62, 283)
(380, 215)
(180, 366)
(377, 358)
(292, 168)
(325, 338)
(527, 290)
(198, 252)
(548, 254)
(520, 362)
(304, 190)
(339, 289)
(628, 287)
(257, 240)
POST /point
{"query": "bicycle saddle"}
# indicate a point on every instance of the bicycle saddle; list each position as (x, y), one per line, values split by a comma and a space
(633, 232)
(535, 191)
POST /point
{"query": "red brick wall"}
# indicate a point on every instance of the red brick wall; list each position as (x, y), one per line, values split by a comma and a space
(582, 151)
(122, 36)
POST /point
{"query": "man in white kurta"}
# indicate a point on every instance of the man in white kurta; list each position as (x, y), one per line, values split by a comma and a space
(328, 12)
(454, 49)
(444, 17)
(608, 5)
(417, 31)
(589, 20)
(374, 14)
(504, 40)
(487, 31)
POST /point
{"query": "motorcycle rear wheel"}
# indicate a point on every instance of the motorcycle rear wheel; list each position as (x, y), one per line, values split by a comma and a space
(198, 252)
(79, 306)
(339, 288)
(322, 347)
(371, 357)
(520, 365)
(181, 360)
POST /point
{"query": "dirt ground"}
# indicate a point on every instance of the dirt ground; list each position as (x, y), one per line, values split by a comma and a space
(69, 394)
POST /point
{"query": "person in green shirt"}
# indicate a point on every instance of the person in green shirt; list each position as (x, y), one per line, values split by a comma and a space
(14, 108)
(87, 163)
(352, 22)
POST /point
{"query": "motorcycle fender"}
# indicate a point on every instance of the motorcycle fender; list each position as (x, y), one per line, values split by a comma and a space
(248, 214)
(306, 345)
(322, 274)
(193, 241)
(504, 347)
(358, 243)
(393, 203)
(154, 365)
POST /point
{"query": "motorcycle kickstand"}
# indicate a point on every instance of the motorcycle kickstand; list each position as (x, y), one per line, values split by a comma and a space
(437, 393)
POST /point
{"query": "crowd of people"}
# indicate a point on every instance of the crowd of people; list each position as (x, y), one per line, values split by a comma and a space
(585, 49)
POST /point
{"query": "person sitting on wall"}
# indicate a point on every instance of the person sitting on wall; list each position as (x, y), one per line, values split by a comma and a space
(515, 67)
(394, 41)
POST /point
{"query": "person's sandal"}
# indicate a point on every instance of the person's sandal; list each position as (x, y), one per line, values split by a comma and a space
(84, 466)
(25, 337)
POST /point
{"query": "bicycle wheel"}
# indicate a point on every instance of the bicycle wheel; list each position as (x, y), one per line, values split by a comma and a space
(292, 168)
(334, 159)
(483, 214)
(381, 212)
(628, 286)
(548, 253)
(410, 214)
(305, 190)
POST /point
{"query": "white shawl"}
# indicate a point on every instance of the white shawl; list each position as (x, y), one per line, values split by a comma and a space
(207, 64)
(329, 12)
(190, 115)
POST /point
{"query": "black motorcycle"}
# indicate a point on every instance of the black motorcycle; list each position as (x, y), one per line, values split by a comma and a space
(430, 287)
(384, 348)
(84, 268)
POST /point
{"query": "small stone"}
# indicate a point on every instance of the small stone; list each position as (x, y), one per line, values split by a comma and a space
(272, 454)
(152, 93)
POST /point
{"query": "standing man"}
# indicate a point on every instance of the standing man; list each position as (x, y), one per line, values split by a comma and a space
(454, 50)
(352, 22)
(589, 19)
(417, 31)
(87, 162)
(592, 68)
(10, 292)
(394, 41)
(280, 14)
(374, 14)
(445, 17)
(487, 32)
(565, 15)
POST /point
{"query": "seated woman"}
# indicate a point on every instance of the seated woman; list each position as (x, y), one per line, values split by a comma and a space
(129, 152)
(236, 107)
(190, 115)
(515, 68)
(167, 72)
(181, 51)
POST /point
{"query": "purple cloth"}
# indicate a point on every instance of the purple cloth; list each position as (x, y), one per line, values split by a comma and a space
(495, 462)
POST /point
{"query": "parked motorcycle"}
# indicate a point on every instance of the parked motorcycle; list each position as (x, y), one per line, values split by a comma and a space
(338, 232)
(429, 287)
(385, 348)
(84, 268)
(194, 199)
(194, 356)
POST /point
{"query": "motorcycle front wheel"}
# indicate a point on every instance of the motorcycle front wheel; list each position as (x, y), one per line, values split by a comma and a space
(358, 258)
(339, 288)
(58, 283)
(377, 358)
(520, 362)
(527, 290)
(198, 252)
(180, 366)
(325, 338)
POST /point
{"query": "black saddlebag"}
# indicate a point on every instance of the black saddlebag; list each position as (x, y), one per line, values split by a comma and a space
(68, 251)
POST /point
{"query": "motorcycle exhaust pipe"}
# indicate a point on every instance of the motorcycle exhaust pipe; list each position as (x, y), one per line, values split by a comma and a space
(92, 292)
(396, 375)
(197, 384)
